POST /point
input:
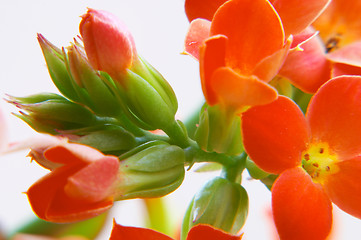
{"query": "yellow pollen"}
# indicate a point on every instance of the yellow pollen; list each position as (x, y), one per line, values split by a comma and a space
(319, 162)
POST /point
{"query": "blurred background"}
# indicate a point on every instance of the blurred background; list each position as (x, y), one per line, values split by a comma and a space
(159, 28)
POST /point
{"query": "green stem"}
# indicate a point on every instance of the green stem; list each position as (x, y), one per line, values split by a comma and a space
(158, 217)
(232, 172)
(177, 134)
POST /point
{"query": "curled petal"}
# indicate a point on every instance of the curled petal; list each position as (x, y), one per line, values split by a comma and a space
(349, 55)
(259, 32)
(207, 232)
(269, 66)
(344, 187)
(297, 15)
(301, 209)
(274, 135)
(240, 91)
(212, 56)
(197, 33)
(306, 66)
(120, 232)
(202, 8)
(334, 115)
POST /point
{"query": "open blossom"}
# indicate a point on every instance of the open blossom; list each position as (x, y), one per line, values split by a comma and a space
(317, 156)
(108, 43)
(198, 232)
(333, 52)
(79, 187)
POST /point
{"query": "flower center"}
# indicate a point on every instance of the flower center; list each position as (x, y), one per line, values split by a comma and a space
(319, 161)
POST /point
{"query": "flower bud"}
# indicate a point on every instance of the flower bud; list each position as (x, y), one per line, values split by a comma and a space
(98, 95)
(51, 112)
(221, 204)
(219, 130)
(55, 61)
(108, 43)
(153, 169)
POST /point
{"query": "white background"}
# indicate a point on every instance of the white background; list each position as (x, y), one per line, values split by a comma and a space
(158, 27)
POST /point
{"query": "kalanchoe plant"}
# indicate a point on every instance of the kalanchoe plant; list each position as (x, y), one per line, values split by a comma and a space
(115, 135)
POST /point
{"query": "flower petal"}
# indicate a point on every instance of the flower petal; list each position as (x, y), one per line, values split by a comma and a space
(240, 91)
(339, 69)
(120, 232)
(212, 56)
(202, 8)
(258, 34)
(349, 54)
(341, 22)
(307, 68)
(301, 209)
(198, 32)
(344, 187)
(274, 135)
(297, 15)
(207, 232)
(334, 115)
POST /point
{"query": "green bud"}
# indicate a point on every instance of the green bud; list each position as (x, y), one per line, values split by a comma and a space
(220, 203)
(52, 112)
(153, 169)
(110, 139)
(254, 171)
(55, 61)
(219, 131)
(98, 97)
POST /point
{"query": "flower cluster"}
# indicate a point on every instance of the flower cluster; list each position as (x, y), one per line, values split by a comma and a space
(282, 87)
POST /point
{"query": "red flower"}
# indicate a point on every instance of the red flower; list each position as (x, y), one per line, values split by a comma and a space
(79, 187)
(317, 156)
(198, 232)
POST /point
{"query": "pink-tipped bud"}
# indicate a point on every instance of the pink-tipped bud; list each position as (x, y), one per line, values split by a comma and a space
(108, 43)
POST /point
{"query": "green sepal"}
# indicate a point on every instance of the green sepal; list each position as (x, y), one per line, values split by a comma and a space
(254, 171)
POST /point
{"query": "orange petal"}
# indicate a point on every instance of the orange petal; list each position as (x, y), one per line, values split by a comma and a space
(202, 8)
(339, 69)
(348, 55)
(344, 187)
(269, 66)
(301, 209)
(334, 115)
(258, 32)
(207, 232)
(197, 33)
(274, 135)
(71, 153)
(120, 232)
(340, 21)
(297, 15)
(240, 91)
(93, 183)
(307, 68)
(212, 56)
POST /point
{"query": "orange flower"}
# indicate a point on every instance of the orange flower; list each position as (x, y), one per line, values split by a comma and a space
(317, 156)
(198, 232)
(79, 187)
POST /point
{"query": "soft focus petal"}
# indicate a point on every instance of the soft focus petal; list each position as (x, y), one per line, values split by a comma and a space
(348, 55)
(341, 22)
(258, 32)
(301, 209)
(93, 183)
(207, 232)
(197, 33)
(344, 187)
(202, 8)
(297, 15)
(240, 91)
(212, 56)
(339, 69)
(334, 115)
(269, 66)
(307, 68)
(274, 135)
(120, 232)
